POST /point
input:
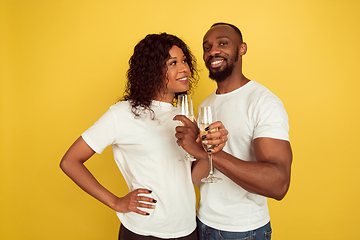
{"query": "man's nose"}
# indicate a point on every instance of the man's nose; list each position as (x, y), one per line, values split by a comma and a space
(214, 51)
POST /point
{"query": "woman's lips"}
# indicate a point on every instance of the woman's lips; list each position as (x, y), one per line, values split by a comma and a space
(183, 79)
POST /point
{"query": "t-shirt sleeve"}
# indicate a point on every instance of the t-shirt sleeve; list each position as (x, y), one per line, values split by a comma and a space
(271, 119)
(102, 133)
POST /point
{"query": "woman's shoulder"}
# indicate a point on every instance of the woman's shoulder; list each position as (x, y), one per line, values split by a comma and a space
(120, 105)
(122, 108)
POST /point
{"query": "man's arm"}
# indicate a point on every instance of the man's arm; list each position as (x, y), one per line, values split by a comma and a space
(269, 176)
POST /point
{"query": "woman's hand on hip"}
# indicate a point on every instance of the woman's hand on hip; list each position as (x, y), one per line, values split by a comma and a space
(133, 201)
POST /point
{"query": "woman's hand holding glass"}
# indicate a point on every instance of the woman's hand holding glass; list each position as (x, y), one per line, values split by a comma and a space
(217, 138)
(188, 137)
(207, 116)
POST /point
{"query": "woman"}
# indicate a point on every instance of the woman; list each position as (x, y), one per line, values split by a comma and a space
(140, 128)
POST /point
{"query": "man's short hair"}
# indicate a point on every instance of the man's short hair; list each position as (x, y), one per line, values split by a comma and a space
(232, 26)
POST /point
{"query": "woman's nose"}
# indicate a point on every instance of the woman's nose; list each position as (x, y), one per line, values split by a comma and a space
(184, 67)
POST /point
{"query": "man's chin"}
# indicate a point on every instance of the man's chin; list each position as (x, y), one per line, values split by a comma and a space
(217, 77)
(220, 76)
(215, 71)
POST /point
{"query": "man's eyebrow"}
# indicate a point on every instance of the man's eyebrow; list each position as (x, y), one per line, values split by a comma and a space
(216, 38)
(222, 37)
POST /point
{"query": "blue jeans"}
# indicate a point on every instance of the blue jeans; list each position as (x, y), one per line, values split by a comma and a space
(208, 233)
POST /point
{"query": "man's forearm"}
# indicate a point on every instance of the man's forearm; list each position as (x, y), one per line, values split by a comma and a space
(268, 179)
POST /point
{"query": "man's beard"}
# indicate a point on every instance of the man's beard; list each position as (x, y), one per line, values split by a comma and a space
(222, 75)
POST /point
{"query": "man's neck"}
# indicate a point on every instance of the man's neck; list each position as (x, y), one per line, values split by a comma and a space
(231, 83)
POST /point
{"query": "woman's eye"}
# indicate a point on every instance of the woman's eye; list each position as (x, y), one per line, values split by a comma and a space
(185, 61)
(173, 63)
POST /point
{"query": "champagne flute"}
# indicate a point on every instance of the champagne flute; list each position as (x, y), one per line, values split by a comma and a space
(185, 107)
(207, 116)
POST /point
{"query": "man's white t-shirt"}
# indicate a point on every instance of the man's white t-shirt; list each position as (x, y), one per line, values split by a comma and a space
(148, 156)
(248, 112)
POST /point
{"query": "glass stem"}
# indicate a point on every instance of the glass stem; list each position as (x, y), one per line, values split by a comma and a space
(211, 165)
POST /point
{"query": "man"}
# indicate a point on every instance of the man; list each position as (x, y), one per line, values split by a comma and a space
(256, 161)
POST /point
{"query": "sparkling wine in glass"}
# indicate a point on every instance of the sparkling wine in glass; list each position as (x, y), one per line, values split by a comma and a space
(185, 107)
(207, 116)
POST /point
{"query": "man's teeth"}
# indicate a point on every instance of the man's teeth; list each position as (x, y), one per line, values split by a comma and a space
(216, 62)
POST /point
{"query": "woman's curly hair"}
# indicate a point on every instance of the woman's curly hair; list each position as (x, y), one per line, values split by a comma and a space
(147, 70)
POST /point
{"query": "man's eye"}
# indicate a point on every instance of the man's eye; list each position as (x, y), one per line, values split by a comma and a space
(223, 43)
(206, 48)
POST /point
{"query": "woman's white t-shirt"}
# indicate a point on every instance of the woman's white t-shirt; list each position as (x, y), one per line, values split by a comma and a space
(148, 156)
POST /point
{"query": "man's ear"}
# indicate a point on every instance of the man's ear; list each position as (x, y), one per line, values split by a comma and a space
(243, 49)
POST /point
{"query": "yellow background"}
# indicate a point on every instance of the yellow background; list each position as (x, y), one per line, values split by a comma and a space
(63, 63)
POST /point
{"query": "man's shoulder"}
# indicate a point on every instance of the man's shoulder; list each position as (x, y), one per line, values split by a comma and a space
(259, 90)
(255, 86)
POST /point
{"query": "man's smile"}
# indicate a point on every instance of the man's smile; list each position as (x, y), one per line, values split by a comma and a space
(216, 62)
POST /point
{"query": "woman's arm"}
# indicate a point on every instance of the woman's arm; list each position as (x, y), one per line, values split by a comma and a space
(73, 166)
(200, 169)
